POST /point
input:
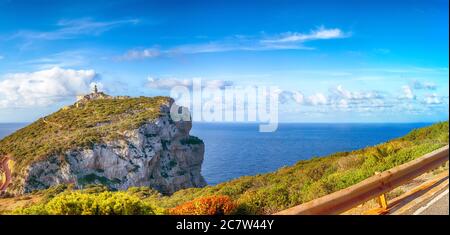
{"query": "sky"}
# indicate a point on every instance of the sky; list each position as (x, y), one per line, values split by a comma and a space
(346, 61)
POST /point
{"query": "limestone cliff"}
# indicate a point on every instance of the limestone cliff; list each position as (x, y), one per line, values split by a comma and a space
(121, 150)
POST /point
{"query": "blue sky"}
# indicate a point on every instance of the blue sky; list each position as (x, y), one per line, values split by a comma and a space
(352, 61)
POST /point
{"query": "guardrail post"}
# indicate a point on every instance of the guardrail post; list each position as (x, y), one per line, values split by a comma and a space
(382, 198)
(382, 202)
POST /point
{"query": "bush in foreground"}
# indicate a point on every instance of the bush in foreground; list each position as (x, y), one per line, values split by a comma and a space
(105, 203)
(213, 205)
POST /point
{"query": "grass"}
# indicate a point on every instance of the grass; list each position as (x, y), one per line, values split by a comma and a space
(306, 180)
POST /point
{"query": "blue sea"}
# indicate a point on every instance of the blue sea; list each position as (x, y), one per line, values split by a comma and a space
(234, 150)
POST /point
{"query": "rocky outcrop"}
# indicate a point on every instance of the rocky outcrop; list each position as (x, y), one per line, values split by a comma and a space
(160, 154)
(5, 174)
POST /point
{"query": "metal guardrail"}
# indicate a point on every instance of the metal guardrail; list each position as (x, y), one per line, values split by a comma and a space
(348, 198)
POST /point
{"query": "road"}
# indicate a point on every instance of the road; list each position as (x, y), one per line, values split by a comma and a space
(437, 205)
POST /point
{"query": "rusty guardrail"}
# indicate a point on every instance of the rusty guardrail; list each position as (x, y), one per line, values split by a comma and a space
(348, 198)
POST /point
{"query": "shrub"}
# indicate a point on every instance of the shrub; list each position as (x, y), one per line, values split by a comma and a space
(213, 205)
(105, 203)
(191, 140)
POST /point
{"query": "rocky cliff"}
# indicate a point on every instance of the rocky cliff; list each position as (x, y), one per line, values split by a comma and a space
(121, 143)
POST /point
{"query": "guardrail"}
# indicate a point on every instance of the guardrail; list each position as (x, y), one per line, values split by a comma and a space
(375, 186)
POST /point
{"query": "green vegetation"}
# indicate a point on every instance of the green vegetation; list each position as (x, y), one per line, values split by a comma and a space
(284, 188)
(93, 178)
(81, 203)
(77, 127)
(191, 140)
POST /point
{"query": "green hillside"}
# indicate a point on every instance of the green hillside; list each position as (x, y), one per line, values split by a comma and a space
(272, 192)
(75, 127)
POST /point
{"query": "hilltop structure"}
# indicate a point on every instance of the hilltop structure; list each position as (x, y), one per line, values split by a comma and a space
(95, 95)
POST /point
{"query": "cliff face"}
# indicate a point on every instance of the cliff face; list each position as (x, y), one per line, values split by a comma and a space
(158, 153)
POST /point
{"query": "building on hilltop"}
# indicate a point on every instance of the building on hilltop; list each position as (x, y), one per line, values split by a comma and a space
(95, 95)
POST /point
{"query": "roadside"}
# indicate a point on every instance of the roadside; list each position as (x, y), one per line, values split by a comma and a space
(406, 199)
(437, 205)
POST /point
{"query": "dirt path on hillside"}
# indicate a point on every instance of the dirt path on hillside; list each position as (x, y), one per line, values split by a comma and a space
(4, 166)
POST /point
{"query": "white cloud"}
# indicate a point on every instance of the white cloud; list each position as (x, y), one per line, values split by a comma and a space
(418, 85)
(360, 101)
(317, 99)
(220, 84)
(433, 99)
(287, 96)
(45, 87)
(298, 97)
(140, 54)
(337, 97)
(67, 29)
(343, 104)
(215, 47)
(341, 93)
(210, 47)
(65, 59)
(284, 41)
(318, 34)
(169, 83)
(407, 93)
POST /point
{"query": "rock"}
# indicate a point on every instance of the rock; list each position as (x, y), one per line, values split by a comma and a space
(160, 154)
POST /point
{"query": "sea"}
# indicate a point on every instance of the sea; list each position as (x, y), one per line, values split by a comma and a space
(233, 150)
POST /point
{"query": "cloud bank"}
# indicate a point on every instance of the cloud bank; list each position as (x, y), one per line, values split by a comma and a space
(72, 28)
(169, 83)
(45, 87)
(320, 33)
(284, 41)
